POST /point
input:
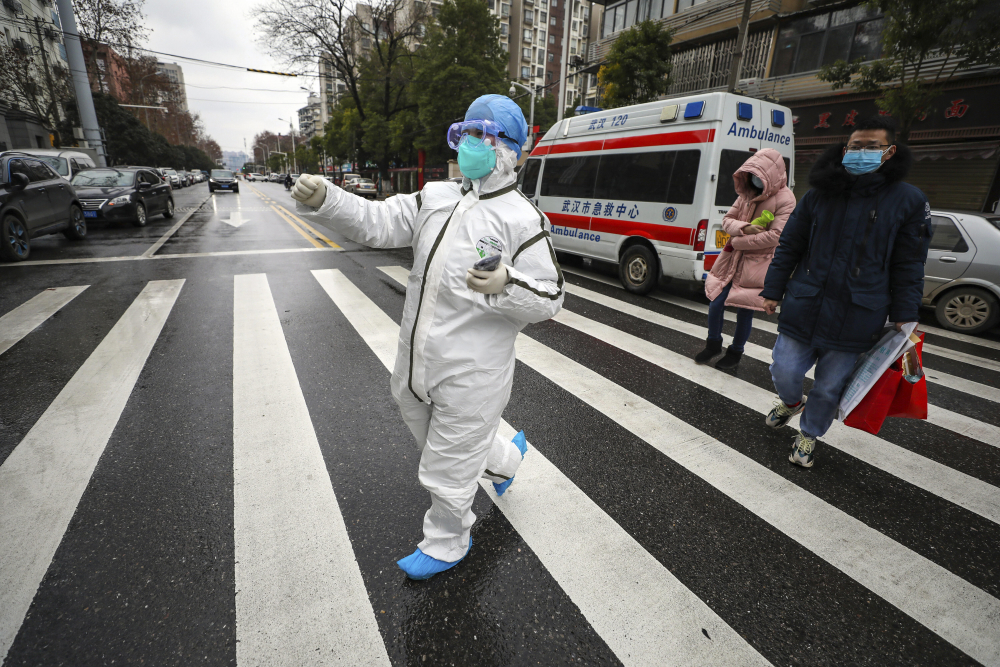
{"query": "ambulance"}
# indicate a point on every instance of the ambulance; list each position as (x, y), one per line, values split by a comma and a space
(647, 186)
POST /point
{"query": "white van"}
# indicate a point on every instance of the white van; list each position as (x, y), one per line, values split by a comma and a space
(647, 186)
(65, 161)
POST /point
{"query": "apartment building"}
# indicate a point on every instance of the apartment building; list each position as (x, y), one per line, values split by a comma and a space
(531, 31)
(310, 118)
(956, 145)
(32, 28)
(175, 75)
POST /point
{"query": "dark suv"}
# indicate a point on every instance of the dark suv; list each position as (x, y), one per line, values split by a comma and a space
(123, 194)
(34, 201)
(222, 179)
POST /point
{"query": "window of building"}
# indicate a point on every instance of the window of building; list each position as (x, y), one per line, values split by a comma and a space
(526, 54)
(503, 28)
(527, 35)
(505, 47)
(528, 16)
(553, 3)
(576, 26)
(807, 44)
(541, 36)
(552, 39)
(504, 9)
(541, 58)
(525, 72)
(552, 20)
(552, 57)
(544, 17)
(684, 4)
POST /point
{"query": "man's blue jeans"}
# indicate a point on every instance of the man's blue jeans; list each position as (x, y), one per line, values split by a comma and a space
(716, 315)
(792, 360)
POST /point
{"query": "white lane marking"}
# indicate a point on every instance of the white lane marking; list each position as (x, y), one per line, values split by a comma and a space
(300, 598)
(953, 421)
(170, 232)
(236, 219)
(944, 379)
(702, 308)
(43, 479)
(946, 604)
(180, 255)
(973, 494)
(644, 614)
(21, 321)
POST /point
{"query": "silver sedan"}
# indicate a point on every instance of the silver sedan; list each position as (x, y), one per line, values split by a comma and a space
(962, 274)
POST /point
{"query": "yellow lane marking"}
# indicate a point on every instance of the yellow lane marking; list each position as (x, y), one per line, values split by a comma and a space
(309, 227)
(297, 228)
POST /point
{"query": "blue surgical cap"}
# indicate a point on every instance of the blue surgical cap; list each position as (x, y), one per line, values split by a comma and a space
(505, 112)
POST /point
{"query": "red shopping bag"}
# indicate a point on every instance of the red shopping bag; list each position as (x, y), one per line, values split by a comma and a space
(892, 396)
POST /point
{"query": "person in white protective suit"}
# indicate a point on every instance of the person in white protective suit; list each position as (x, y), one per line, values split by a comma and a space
(455, 359)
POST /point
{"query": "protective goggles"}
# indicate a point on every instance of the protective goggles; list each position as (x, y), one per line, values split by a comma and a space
(485, 131)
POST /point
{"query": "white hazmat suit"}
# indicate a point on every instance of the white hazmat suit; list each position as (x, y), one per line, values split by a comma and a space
(455, 360)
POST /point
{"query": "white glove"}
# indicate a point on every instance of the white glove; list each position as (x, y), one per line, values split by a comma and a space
(487, 282)
(310, 190)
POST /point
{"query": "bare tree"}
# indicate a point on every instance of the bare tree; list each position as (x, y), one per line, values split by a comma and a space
(370, 46)
(118, 23)
(31, 84)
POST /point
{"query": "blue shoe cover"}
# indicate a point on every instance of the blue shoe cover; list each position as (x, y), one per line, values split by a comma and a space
(522, 446)
(419, 566)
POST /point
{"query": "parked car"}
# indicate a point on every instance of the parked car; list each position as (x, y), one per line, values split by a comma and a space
(173, 177)
(223, 179)
(123, 194)
(63, 161)
(962, 273)
(254, 176)
(363, 187)
(34, 201)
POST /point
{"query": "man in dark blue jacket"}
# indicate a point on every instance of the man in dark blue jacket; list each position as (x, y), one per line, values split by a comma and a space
(850, 257)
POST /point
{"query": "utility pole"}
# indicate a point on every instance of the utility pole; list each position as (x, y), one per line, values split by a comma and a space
(81, 86)
(564, 65)
(741, 44)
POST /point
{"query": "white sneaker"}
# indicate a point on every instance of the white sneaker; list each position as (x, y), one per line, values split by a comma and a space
(781, 413)
(802, 450)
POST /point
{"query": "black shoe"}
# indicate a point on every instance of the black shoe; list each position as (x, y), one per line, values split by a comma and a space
(730, 361)
(712, 348)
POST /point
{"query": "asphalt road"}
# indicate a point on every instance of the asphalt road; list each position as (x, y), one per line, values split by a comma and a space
(201, 464)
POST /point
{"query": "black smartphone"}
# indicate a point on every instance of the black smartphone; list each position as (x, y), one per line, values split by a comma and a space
(487, 263)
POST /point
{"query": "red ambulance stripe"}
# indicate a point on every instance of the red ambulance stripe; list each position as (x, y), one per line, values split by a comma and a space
(661, 139)
(654, 232)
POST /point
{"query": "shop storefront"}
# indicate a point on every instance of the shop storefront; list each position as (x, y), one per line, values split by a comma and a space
(956, 144)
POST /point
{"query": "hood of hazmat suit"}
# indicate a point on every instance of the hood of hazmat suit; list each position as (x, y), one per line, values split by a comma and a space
(456, 346)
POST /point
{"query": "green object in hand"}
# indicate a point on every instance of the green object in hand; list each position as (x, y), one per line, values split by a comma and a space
(764, 220)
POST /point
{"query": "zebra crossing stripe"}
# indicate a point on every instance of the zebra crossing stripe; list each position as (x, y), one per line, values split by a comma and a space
(45, 476)
(935, 376)
(949, 606)
(21, 321)
(644, 614)
(300, 597)
(973, 494)
(953, 421)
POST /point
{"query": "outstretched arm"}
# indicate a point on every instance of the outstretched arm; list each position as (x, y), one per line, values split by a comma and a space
(377, 224)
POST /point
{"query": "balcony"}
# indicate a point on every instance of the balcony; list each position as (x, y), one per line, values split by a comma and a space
(14, 6)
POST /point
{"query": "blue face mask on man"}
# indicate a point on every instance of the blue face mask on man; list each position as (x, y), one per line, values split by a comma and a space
(863, 161)
(476, 158)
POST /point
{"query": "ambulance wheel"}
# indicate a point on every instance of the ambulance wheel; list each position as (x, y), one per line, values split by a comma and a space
(638, 269)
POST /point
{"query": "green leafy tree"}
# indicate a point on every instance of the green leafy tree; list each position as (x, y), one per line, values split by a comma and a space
(638, 66)
(461, 60)
(924, 44)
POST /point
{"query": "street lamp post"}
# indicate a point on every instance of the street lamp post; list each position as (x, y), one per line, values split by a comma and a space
(291, 133)
(266, 152)
(531, 119)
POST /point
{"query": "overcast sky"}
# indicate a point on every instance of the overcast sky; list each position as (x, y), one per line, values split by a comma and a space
(231, 103)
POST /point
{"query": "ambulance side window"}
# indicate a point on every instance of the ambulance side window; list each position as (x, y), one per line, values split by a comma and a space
(529, 176)
(729, 164)
(684, 178)
(635, 176)
(570, 176)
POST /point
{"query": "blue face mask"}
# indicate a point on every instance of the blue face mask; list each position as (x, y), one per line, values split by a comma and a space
(862, 162)
(476, 158)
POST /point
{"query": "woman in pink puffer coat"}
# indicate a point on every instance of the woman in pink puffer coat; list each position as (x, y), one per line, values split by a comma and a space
(737, 277)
